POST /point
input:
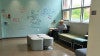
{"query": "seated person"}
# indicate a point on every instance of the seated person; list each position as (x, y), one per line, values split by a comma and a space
(61, 26)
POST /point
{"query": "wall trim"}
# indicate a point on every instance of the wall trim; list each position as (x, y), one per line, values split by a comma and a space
(12, 37)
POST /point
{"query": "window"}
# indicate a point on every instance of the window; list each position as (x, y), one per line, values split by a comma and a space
(76, 15)
(87, 2)
(66, 15)
(66, 4)
(76, 10)
(86, 14)
(76, 3)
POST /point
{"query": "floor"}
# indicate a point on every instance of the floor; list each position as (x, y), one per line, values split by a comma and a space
(18, 47)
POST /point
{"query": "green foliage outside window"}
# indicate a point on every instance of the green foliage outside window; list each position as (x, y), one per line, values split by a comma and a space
(76, 13)
(86, 14)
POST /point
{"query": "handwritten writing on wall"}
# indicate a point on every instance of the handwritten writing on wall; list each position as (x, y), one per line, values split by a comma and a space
(15, 19)
(22, 10)
(3, 11)
(36, 16)
(4, 15)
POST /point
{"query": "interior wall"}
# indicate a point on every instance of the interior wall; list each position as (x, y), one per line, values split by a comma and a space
(78, 28)
(0, 21)
(22, 17)
(94, 30)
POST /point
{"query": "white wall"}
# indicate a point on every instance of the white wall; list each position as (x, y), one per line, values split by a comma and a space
(79, 28)
(94, 30)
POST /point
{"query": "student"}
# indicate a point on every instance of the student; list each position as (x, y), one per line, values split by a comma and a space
(61, 26)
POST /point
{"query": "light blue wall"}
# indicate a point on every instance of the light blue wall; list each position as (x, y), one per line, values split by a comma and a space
(29, 16)
(0, 21)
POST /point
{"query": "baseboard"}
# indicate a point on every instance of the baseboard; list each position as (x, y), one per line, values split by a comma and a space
(12, 37)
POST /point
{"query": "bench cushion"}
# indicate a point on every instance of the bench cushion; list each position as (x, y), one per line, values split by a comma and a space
(74, 40)
(72, 36)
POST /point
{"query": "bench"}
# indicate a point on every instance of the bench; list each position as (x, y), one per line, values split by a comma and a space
(73, 41)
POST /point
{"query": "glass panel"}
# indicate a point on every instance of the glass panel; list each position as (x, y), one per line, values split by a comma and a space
(76, 3)
(66, 4)
(66, 15)
(86, 15)
(87, 2)
(76, 15)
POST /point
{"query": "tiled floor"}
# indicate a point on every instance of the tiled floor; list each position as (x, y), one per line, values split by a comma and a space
(18, 47)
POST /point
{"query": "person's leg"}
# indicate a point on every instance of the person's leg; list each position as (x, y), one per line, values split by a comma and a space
(55, 34)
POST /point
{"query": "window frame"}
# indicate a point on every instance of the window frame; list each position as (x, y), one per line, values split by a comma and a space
(70, 11)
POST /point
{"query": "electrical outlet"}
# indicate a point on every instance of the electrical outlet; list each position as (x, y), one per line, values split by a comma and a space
(93, 12)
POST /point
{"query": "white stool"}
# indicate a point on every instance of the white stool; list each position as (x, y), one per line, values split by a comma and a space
(39, 41)
(35, 42)
(47, 41)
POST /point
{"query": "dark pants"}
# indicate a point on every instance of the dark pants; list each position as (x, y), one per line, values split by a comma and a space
(54, 34)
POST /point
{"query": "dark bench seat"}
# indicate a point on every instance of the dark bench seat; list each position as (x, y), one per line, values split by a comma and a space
(73, 41)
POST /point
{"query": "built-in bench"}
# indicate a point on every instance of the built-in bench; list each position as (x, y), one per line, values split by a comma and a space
(73, 41)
